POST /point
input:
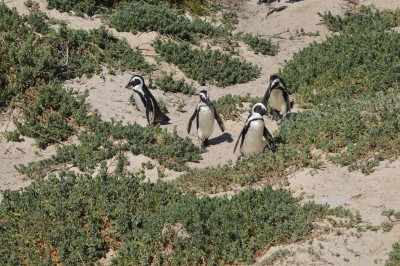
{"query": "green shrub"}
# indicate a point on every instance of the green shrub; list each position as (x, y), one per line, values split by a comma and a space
(229, 20)
(197, 7)
(206, 65)
(394, 255)
(267, 168)
(359, 133)
(163, 20)
(367, 19)
(77, 219)
(101, 140)
(231, 106)
(53, 116)
(167, 83)
(344, 67)
(260, 45)
(30, 59)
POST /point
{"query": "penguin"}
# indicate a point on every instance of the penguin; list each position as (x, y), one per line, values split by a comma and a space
(251, 137)
(205, 113)
(278, 95)
(145, 101)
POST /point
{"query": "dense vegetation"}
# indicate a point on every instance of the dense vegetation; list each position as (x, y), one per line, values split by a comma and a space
(231, 106)
(198, 7)
(77, 219)
(167, 83)
(394, 255)
(162, 20)
(360, 59)
(266, 168)
(206, 65)
(33, 53)
(351, 80)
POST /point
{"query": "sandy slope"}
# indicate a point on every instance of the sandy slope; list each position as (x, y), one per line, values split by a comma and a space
(333, 185)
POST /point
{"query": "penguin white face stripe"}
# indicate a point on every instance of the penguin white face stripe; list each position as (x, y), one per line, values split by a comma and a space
(275, 82)
(204, 95)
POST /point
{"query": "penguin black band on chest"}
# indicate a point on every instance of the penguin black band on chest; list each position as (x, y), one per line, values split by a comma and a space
(278, 96)
(253, 132)
(205, 114)
(145, 101)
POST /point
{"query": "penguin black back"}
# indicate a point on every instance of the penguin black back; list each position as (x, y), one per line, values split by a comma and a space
(145, 100)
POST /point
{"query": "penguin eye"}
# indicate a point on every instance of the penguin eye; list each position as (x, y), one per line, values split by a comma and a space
(134, 82)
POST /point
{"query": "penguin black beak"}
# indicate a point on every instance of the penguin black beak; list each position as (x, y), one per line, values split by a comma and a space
(264, 112)
(128, 86)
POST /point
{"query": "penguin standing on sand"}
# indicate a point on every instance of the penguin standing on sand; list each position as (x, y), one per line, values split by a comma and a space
(278, 94)
(205, 113)
(145, 101)
(251, 137)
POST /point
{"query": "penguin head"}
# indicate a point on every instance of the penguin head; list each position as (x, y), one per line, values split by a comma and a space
(276, 82)
(204, 96)
(259, 108)
(136, 82)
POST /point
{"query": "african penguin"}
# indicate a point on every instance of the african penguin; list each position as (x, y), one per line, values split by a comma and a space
(278, 94)
(251, 137)
(205, 113)
(145, 101)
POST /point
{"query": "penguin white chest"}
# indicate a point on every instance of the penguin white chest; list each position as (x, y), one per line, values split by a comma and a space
(205, 125)
(278, 101)
(139, 103)
(253, 140)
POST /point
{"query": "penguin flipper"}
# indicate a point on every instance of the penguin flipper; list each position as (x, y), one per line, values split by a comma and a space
(219, 120)
(270, 139)
(158, 115)
(149, 110)
(266, 97)
(285, 94)
(191, 120)
(240, 137)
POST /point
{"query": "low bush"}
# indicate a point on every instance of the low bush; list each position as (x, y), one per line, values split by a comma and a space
(196, 7)
(358, 134)
(267, 168)
(206, 65)
(367, 19)
(100, 141)
(78, 219)
(31, 57)
(163, 20)
(260, 45)
(167, 83)
(359, 60)
(231, 106)
(394, 255)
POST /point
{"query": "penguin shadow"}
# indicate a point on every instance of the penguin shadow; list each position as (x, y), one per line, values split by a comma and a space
(226, 137)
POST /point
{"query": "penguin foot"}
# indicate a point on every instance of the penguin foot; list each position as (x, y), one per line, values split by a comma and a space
(205, 143)
(203, 149)
(276, 116)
